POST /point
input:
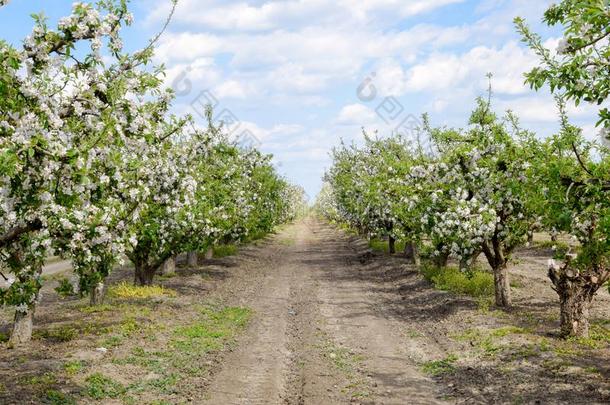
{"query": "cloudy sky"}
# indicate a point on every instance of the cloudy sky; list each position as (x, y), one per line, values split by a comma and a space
(297, 76)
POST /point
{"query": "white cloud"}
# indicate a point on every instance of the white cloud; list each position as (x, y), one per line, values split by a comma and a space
(443, 71)
(295, 61)
(356, 114)
(273, 15)
(542, 108)
(187, 46)
(231, 89)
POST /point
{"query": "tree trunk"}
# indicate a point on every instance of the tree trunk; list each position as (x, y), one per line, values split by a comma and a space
(169, 266)
(412, 253)
(574, 311)
(502, 285)
(554, 234)
(75, 281)
(209, 254)
(576, 291)
(22, 328)
(465, 264)
(144, 275)
(441, 260)
(192, 259)
(530, 237)
(392, 245)
(97, 293)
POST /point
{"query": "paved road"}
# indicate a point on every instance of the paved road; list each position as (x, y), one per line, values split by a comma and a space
(54, 267)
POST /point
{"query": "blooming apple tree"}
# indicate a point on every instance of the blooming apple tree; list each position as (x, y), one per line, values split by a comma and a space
(577, 184)
(59, 133)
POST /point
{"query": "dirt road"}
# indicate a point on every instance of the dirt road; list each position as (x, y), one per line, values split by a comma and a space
(329, 322)
(320, 334)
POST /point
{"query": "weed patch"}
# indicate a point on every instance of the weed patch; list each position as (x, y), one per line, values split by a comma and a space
(476, 283)
(212, 332)
(59, 334)
(437, 368)
(380, 245)
(129, 291)
(54, 397)
(98, 386)
(65, 288)
(73, 367)
(184, 354)
(224, 250)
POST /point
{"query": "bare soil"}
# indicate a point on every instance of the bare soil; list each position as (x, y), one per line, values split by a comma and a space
(330, 323)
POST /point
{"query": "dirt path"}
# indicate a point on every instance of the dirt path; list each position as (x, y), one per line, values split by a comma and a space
(325, 321)
(319, 335)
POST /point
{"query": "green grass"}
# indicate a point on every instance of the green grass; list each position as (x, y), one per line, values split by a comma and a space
(97, 309)
(59, 334)
(348, 363)
(98, 386)
(380, 245)
(212, 332)
(486, 340)
(411, 333)
(112, 341)
(560, 248)
(129, 291)
(437, 368)
(128, 327)
(508, 330)
(343, 359)
(184, 355)
(41, 382)
(54, 397)
(224, 250)
(65, 288)
(599, 336)
(164, 385)
(73, 367)
(476, 283)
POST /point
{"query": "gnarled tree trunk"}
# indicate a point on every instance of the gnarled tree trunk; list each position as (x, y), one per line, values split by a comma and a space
(144, 274)
(576, 291)
(23, 321)
(97, 294)
(22, 328)
(412, 253)
(169, 266)
(502, 285)
(192, 259)
(497, 260)
(392, 245)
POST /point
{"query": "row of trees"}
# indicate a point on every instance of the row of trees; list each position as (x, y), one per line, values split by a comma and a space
(95, 168)
(481, 190)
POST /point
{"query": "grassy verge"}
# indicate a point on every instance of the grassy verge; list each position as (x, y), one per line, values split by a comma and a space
(380, 245)
(224, 250)
(129, 291)
(186, 353)
(476, 283)
(437, 368)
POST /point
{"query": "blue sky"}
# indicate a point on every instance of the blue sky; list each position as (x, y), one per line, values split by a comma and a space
(289, 71)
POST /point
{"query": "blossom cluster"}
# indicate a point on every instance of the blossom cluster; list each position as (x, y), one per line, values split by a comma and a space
(94, 167)
(472, 196)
